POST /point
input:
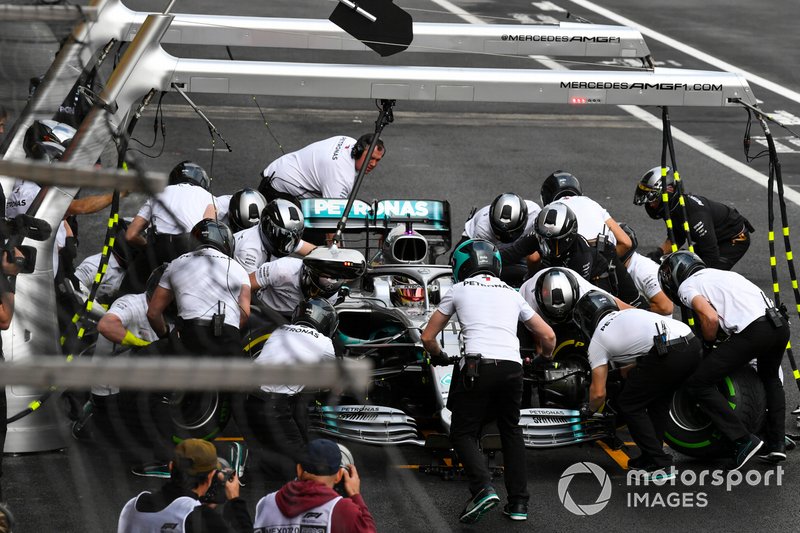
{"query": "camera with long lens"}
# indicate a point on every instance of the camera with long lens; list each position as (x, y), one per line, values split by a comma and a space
(346, 461)
(13, 231)
(216, 492)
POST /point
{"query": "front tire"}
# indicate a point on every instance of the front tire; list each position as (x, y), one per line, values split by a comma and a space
(690, 431)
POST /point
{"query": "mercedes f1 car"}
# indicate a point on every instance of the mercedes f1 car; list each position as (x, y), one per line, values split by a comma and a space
(381, 317)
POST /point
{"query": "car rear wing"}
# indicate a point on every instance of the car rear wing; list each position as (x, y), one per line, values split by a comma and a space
(430, 218)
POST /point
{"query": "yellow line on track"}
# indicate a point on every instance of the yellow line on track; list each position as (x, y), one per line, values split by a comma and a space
(619, 456)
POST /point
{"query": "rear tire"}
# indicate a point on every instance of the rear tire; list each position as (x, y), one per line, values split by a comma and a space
(689, 430)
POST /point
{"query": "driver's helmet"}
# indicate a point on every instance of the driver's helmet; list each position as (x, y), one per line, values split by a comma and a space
(404, 246)
(590, 310)
(190, 172)
(559, 184)
(557, 229)
(475, 256)
(674, 270)
(317, 313)
(556, 294)
(648, 192)
(244, 209)
(634, 241)
(315, 285)
(508, 216)
(209, 233)
(282, 225)
(406, 292)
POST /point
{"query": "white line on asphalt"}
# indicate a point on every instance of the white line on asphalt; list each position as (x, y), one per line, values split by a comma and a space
(549, 6)
(454, 9)
(693, 142)
(686, 49)
(707, 150)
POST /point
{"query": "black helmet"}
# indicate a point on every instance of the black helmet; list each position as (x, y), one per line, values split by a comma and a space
(46, 151)
(648, 192)
(317, 313)
(190, 172)
(212, 234)
(282, 225)
(153, 279)
(557, 229)
(590, 310)
(404, 246)
(315, 285)
(674, 270)
(47, 139)
(634, 241)
(475, 256)
(244, 210)
(558, 184)
(556, 293)
(508, 216)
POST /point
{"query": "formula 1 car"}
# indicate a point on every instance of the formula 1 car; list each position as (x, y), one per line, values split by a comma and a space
(382, 316)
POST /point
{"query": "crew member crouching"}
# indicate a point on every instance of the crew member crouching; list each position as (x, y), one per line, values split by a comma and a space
(212, 292)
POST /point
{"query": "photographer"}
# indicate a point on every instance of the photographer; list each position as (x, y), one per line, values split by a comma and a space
(310, 503)
(12, 262)
(192, 471)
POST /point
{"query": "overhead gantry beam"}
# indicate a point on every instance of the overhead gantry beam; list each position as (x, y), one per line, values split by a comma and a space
(566, 39)
(662, 86)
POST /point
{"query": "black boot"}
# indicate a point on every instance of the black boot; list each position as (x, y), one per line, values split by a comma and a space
(95, 419)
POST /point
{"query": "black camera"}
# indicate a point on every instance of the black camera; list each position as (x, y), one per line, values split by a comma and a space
(13, 231)
(216, 492)
(346, 461)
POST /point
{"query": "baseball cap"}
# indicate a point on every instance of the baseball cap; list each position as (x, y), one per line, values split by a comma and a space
(195, 457)
(322, 458)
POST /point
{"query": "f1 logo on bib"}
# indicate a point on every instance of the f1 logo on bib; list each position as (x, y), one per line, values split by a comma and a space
(584, 509)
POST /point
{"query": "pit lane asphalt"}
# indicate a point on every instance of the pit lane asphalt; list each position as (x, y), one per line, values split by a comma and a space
(444, 151)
